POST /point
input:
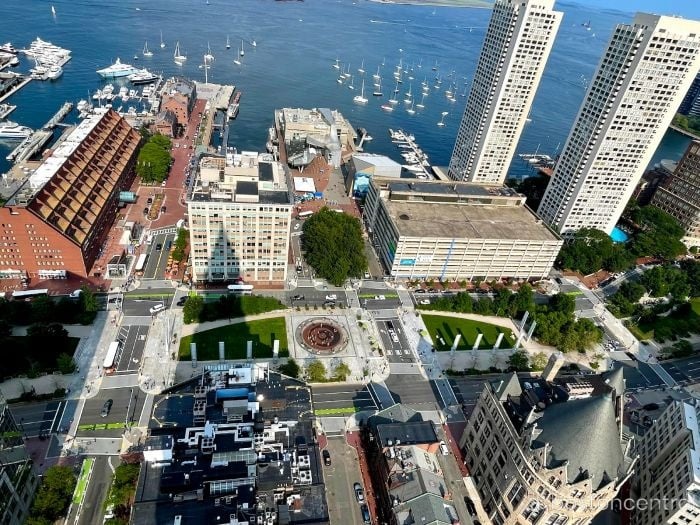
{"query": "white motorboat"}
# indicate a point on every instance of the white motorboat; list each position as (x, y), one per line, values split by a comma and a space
(254, 43)
(162, 44)
(360, 99)
(54, 72)
(146, 52)
(117, 70)
(142, 76)
(12, 130)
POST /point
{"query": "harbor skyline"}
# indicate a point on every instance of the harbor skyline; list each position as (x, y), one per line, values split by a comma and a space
(286, 69)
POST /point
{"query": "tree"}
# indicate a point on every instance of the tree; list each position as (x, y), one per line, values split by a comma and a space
(532, 187)
(659, 234)
(539, 361)
(88, 300)
(192, 310)
(180, 245)
(5, 329)
(55, 492)
(333, 246)
(153, 162)
(522, 301)
(316, 372)
(290, 368)
(42, 309)
(341, 371)
(518, 361)
(65, 363)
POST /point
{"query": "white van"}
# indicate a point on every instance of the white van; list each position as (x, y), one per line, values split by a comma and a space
(157, 308)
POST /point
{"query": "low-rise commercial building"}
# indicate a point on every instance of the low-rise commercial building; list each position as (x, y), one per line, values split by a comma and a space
(679, 195)
(457, 230)
(57, 222)
(18, 480)
(362, 167)
(240, 211)
(548, 451)
(179, 95)
(234, 446)
(668, 482)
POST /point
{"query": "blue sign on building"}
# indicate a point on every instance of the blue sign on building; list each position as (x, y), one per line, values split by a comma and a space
(407, 262)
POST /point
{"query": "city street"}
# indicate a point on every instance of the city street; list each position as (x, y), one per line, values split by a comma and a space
(683, 370)
(412, 390)
(40, 418)
(133, 341)
(342, 396)
(157, 257)
(339, 478)
(129, 399)
(393, 341)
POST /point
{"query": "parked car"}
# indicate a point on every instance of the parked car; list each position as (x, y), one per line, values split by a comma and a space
(106, 408)
(420, 290)
(331, 297)
(424, 301)
(159, 247)
(364, 509)
(367, 275)
(182, 300)
(149, 200)
(298, 298)
(328, 304)
(359, 493)
(145, 210)
(162, 209)
(443, 449)
(326, 458)
(157, 308)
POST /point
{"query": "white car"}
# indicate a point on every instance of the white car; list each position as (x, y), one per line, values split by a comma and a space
(443, 449)
(424, 301)
(331, 297)
(379, 297)
(297, 226)
(157, 308)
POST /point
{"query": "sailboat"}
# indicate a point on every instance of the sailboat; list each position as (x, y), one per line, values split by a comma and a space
(351, 86)
(228, 44)
(177, 56)
(53, 11)
(361, 69)
(393, 100)
(387, 107)
(410, 110)
(162, 44)
(421, 105)
(237, 60)
(360, 99)
(409, 95)
(435, 67)
(378, 89)
(146, 52)
(242, 51)
(442, 120)
(337, 64)
(208, 57)
(376, 76)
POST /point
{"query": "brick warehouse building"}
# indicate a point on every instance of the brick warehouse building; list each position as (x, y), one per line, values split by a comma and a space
(56, 223)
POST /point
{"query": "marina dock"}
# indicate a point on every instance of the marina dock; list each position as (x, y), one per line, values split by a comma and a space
(415, 158)
(59, 116)
(10, 83)
(37, 140)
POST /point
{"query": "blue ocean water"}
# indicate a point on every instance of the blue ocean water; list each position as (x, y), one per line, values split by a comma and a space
(297, 43)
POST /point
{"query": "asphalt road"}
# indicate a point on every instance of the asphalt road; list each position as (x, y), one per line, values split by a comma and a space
(339, 478)
(683, 370)
(41, 418)
(141, 307)
(157, 259)
(312, 296)
(396, 348)
(638, 375)
(412, 390)
(133, 339)
(96, 493)
(342, 396)
(123, 398)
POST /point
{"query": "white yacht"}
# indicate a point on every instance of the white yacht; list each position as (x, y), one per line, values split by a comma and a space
(208, 57)
(54, 72)
(360, 99)
(117, 70)
(177, 56)
(12, 130)
(142, 76)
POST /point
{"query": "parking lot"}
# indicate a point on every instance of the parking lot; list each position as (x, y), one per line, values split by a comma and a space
(111, 425)
(133, 341)
(339, 478)
(393, 341)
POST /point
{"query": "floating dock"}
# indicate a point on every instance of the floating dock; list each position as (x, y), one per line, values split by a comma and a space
(10, 83)
(37, 140)
(66, 108)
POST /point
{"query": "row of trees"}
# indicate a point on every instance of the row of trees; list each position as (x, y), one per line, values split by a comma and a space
(46, 348)
(316, 371)
(180, 245)
(196, 310)
(656, 234)
(154, 160)
(556, 324)
(333, 246)
(53, 496)
(122, 492)
(687, 122)
(48, 310)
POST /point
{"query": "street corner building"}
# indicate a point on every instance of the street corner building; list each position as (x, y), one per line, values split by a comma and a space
(457, 230)
(548, 451)
(240, 211)
(57, 221)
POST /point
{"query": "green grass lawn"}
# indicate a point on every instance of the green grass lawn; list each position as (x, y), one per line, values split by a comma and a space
(670, 324)
(262, 332)
(448, 327)
(79, 492)
(695, 303)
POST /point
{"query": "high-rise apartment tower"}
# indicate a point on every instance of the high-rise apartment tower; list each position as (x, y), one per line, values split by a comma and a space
(516, 47)
(645, 72)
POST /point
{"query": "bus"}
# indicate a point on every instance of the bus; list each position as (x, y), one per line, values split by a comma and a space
(111, 355)
(141, 263)
(305, 214)
(28, 295)
(243, 289)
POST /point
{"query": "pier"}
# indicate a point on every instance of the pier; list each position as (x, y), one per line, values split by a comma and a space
(416, 160)
(10, 83)
(37, 140)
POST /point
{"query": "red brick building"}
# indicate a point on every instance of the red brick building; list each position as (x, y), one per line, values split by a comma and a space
(179, 96)
(56, 223)
(165, 124)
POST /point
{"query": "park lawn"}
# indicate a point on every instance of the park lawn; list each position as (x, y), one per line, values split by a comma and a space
(448, 327)
(644, 331)
(236, 336)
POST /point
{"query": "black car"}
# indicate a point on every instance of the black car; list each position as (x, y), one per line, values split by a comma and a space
(182, 300)
(162, 209)
(149, 200)
(106, 408)
(420, 290)
(145, 211)
(298, 298)
(168, 244)
(365, 513)
(159, 247)
(326, 458)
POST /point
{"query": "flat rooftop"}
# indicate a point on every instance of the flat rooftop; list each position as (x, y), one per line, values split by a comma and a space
(430, 219)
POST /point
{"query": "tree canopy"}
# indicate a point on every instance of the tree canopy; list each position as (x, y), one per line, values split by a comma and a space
(590, 250)
(658, 233)
(153, 162)
(333, 246)
(54, 494)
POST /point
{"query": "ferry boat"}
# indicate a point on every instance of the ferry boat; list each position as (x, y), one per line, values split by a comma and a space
(12, 130)
(117, 70)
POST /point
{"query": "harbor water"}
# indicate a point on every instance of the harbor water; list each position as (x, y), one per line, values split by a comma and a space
(291, 65)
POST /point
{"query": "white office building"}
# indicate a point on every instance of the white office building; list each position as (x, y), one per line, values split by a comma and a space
(516, 47)
(668, 483)
(642, 78)
(240, 211)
